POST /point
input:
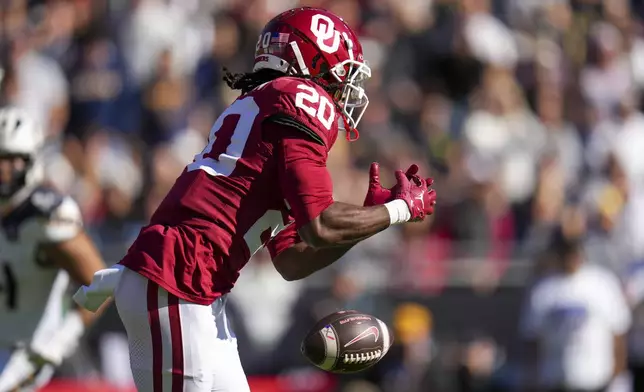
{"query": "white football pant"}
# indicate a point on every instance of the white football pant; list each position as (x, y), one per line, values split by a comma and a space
(175, 345)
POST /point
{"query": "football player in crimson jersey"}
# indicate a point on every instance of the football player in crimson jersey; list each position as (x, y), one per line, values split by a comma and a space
(261, 181)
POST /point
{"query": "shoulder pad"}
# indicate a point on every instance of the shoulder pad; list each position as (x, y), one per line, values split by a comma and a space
(64, 224)
(41, 203)
(304, 102)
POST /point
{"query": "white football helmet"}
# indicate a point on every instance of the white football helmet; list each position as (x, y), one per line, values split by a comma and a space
(20, 137)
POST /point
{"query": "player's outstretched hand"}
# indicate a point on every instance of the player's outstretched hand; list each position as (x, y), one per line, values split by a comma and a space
(378, 195)
(415, 191)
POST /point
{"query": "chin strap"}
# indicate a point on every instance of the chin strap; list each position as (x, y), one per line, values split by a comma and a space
(352, 134)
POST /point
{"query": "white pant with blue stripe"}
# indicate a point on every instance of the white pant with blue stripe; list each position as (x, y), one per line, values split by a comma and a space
(175, 345)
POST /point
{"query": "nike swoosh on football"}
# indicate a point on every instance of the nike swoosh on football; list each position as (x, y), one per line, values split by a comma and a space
(367, 332)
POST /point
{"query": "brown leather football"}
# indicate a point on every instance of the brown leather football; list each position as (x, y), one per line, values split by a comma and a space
(347, 342)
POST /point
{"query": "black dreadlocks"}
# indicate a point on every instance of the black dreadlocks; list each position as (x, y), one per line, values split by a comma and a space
(249, 80)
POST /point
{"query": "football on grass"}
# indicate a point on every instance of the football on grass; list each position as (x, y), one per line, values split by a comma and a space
(347, 342)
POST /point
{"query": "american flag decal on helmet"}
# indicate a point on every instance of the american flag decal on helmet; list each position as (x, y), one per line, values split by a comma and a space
(277, 43)
(279, 38)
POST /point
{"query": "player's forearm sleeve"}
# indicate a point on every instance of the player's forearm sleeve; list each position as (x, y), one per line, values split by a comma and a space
(303, 177)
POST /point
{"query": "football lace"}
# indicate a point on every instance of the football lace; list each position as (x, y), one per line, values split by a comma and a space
(362, 357)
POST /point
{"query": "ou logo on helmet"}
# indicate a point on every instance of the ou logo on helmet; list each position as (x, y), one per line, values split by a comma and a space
(323, 28)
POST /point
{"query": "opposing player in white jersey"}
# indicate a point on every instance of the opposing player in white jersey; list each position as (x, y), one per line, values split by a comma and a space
(42, 245)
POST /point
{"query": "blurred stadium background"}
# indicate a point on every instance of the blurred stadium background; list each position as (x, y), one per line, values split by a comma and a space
(528, 113)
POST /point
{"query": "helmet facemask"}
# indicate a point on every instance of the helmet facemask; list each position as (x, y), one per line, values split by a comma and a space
(13, 173)
(352, 97)
(21, 139)
(351, 74)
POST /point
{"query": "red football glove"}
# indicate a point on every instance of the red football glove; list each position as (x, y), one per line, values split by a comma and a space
(377, 195)
(415, 192)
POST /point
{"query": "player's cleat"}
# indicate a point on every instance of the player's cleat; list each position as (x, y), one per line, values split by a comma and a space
(347, 342)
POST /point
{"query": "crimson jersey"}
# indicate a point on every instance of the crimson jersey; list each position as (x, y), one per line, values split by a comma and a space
(263, 169)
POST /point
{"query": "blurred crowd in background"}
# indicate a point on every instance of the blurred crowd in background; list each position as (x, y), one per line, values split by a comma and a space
(528, 114)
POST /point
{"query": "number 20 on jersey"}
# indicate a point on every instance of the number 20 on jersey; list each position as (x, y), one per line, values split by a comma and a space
(231, 130)
(308, 98)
